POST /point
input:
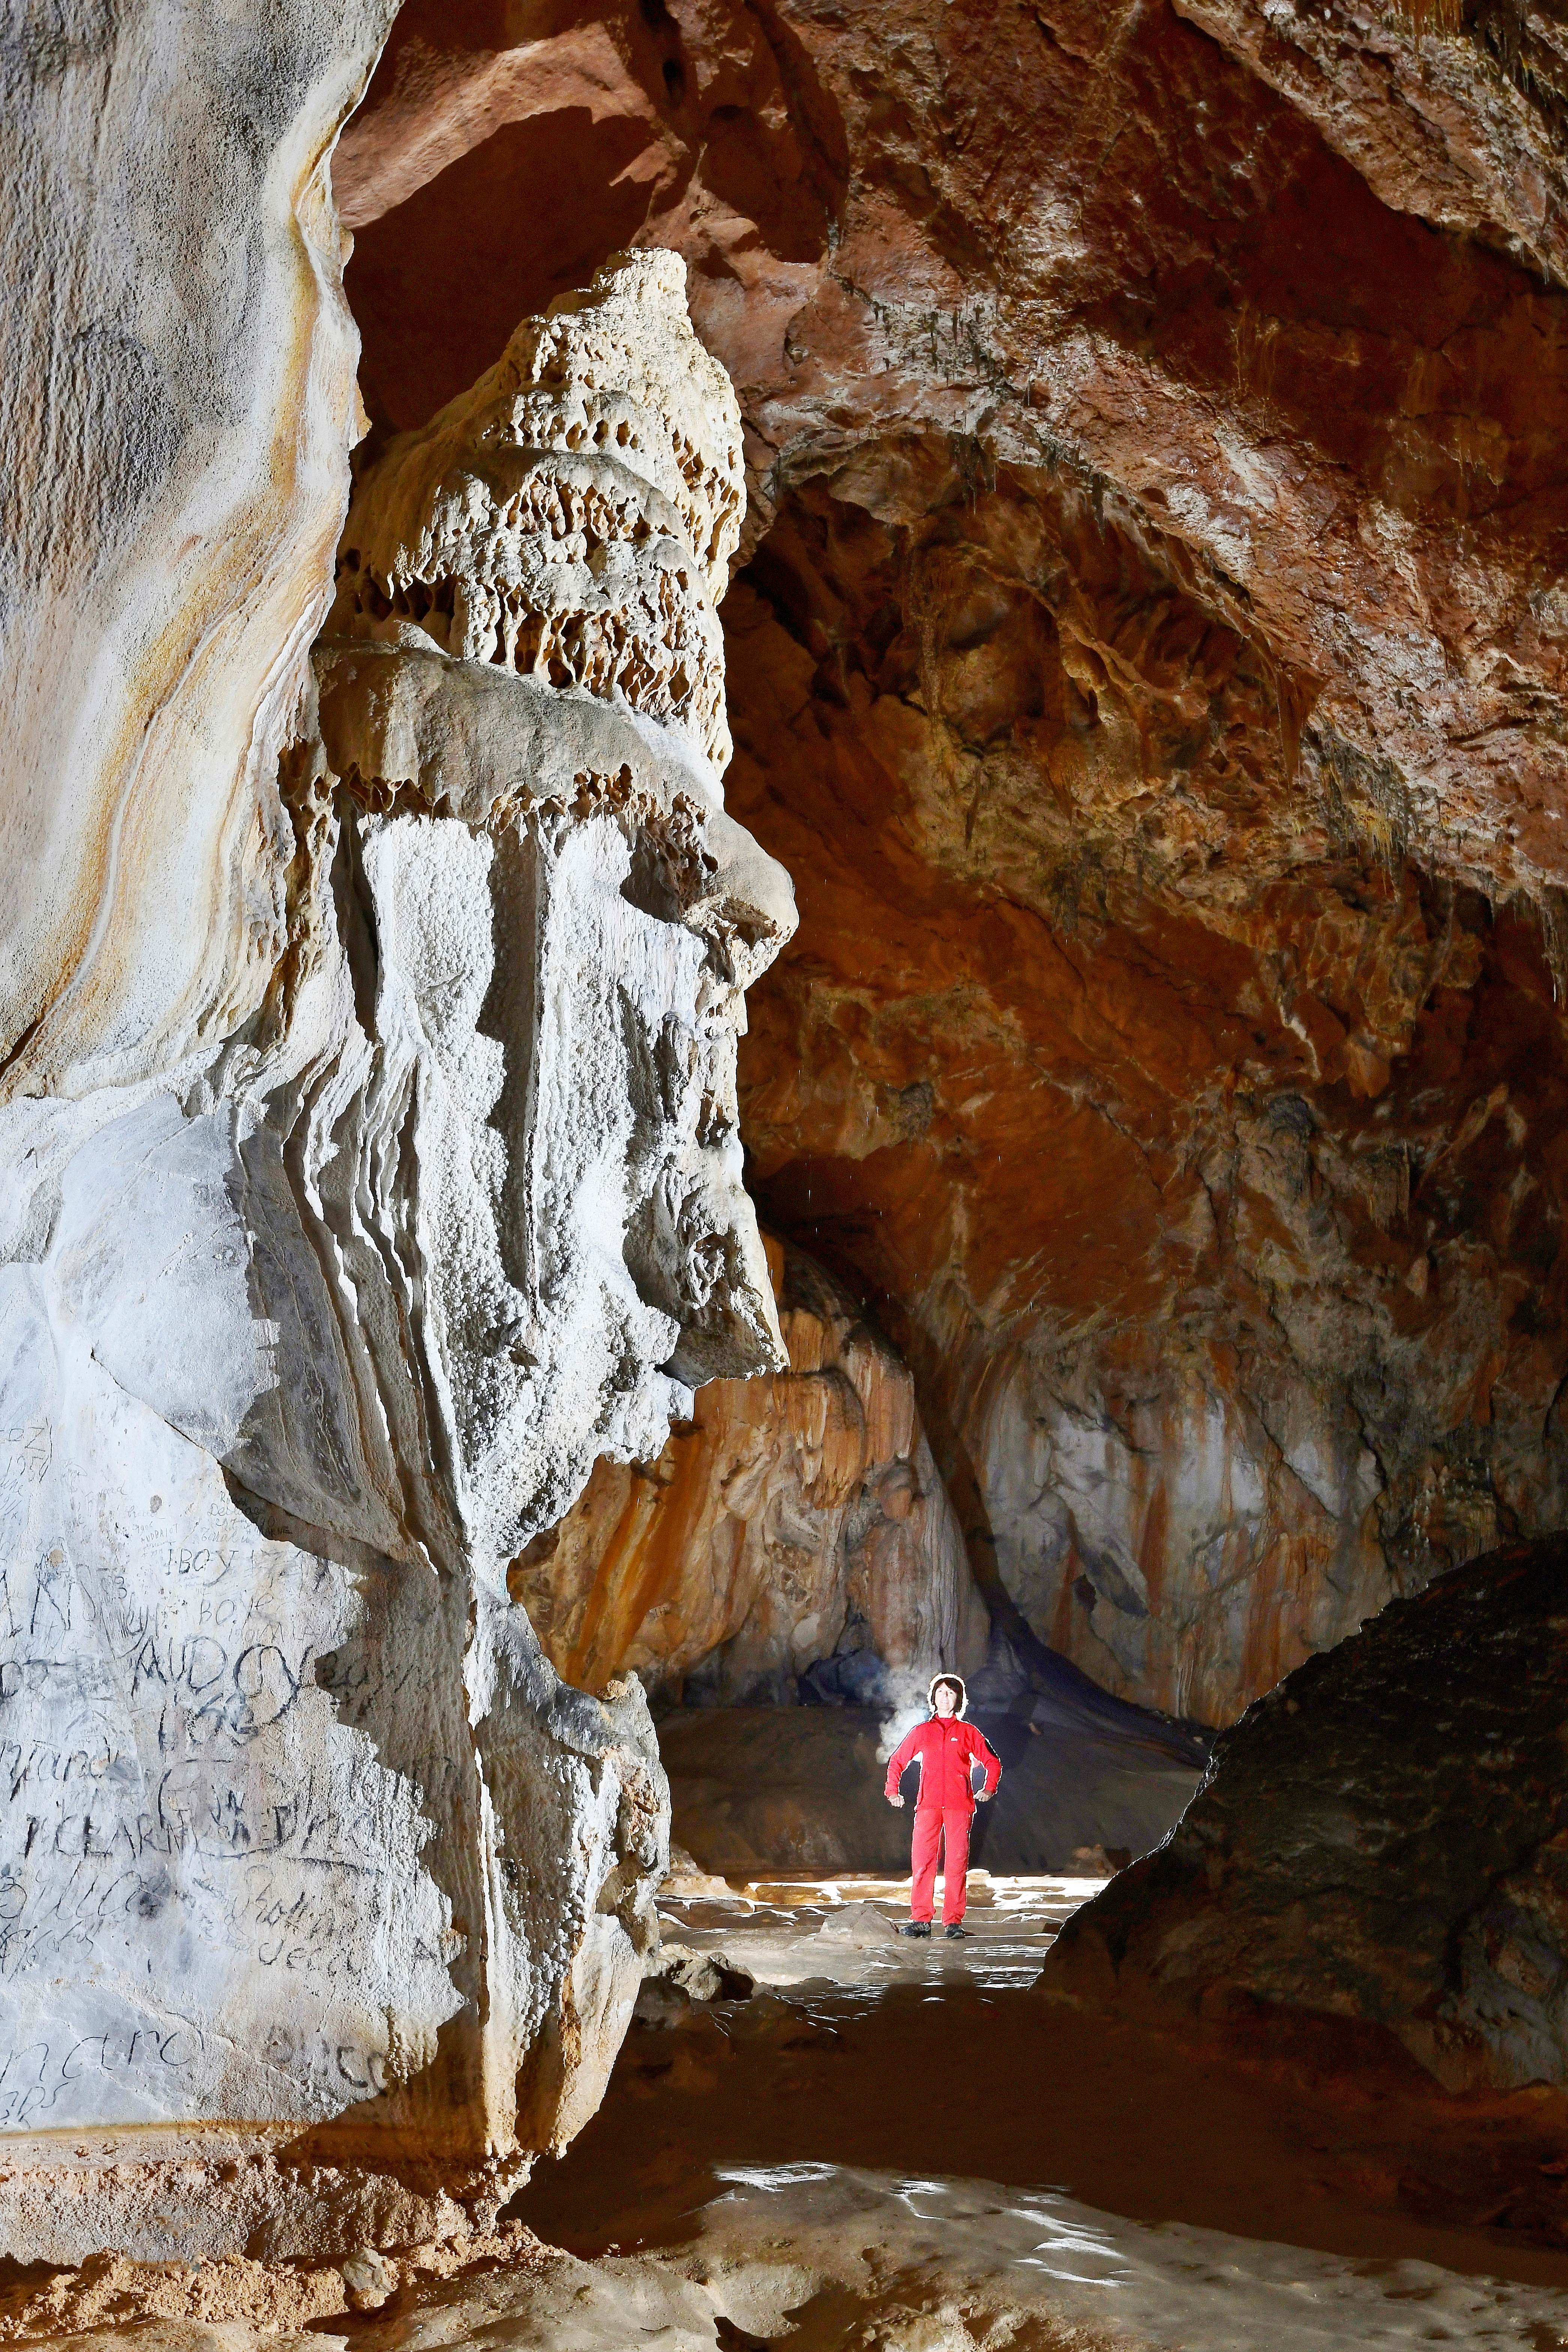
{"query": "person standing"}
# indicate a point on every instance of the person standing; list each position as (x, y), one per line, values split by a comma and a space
(947, 1749)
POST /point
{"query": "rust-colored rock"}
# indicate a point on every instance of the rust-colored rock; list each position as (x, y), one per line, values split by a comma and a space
(795, 1529)
(1202, 1157)
(1152, 674)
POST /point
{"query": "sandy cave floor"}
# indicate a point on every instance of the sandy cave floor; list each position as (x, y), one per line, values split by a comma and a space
(899, 2146)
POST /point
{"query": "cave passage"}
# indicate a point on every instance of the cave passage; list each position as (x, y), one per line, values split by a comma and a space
(1156, 1124)
(785, 850)
(970, 2130)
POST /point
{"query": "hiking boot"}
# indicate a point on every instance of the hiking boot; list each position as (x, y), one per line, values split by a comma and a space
(915, 1928)
(952, 1932)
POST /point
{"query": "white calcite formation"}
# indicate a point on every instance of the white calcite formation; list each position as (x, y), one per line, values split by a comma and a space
(319, 1892)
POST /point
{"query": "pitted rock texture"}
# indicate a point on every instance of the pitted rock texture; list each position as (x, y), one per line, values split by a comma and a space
(792, 1538)
(1151, 667)
(1288, 290)
(315, 1875)
(1381, 1842)
(1201, 1160)
(572, 518)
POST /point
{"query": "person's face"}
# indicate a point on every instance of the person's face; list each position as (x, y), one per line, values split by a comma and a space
(946, 1699)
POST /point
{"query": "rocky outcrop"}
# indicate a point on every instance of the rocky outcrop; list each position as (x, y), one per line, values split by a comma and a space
(792, 1538)
(710, 134)
(1151, 669)
(1381, 1843)
(315, 1877)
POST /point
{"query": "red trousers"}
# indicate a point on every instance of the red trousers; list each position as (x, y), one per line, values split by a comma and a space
(948, 1827)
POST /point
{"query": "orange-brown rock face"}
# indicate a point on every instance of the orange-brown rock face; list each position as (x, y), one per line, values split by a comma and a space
(1291, 291)
(1151, 669)
(1201, 1152)
(796, 1523)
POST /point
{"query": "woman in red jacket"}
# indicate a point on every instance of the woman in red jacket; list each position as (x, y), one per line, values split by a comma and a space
(948, 1749)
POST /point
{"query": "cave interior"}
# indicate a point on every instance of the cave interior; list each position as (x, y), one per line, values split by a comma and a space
(1131, 607)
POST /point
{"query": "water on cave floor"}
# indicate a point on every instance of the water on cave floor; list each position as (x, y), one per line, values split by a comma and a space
(782, 1926)
(898, 2144)
(889, 2146)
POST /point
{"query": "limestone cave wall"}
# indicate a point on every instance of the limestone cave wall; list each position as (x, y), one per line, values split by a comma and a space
(1149, 666)
(1099, 470)
(794, 1540)
(1197, 1141)
(370, 1165)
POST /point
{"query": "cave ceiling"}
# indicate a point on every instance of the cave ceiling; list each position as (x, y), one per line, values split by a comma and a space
(1146, 653)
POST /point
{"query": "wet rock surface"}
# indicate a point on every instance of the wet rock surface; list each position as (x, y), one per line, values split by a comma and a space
(763, 2173)
(870, 2079)
(1378, 1850)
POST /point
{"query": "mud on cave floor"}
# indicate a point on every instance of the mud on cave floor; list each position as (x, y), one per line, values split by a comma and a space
(950, 2160)
(870, 2145)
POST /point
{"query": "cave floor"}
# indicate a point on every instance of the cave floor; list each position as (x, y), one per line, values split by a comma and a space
(902, 2145)
(899, 2147)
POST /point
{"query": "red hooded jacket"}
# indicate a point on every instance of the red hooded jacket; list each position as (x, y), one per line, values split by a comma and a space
(948, 1749)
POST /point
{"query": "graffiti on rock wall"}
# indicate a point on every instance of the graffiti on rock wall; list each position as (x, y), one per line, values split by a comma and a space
(179, 1805)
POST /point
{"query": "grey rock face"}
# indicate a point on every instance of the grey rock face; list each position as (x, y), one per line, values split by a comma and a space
(368, 1166)
(1382, 1840)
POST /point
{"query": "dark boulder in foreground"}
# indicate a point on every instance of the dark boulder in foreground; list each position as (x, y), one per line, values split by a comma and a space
(1381, 1842)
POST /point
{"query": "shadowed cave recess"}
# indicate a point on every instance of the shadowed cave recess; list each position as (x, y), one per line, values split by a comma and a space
(786, 905)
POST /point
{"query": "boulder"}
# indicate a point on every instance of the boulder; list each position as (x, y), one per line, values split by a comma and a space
(1380, 1847)
(858, 1924)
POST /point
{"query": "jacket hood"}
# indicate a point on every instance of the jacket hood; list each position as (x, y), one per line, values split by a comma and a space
(963, 1706)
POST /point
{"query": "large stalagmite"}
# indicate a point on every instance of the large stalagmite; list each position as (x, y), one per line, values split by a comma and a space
(349, 1214)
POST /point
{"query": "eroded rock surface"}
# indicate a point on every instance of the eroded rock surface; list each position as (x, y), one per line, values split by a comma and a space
(1151, 664)
(792, 1538)
(1381, 1842)
(306, 1333)
(1202, 1165)
(1151, 670)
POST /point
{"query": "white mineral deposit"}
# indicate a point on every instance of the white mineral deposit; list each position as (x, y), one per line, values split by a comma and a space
(783, 994)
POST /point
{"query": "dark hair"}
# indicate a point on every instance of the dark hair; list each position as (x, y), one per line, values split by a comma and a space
(954, 1684)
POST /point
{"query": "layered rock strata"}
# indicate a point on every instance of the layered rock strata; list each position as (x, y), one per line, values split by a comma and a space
(315, 1875)
(1382, 1843)
(792, 1540)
